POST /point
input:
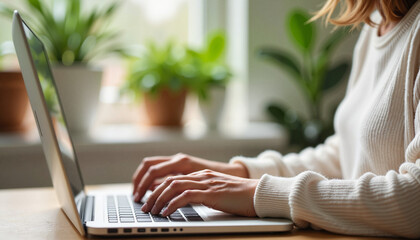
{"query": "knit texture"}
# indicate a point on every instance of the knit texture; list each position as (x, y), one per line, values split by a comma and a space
(365, 179)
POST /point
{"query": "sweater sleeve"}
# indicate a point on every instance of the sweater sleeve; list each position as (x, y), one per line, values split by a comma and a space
(323, 159)
(371, 205)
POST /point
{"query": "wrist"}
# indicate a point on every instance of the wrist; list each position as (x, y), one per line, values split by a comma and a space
(238, 169)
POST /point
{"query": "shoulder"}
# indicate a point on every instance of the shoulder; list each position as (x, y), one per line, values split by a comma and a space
(413, 56)
(411, 26)
(414, 39)
(412, 22)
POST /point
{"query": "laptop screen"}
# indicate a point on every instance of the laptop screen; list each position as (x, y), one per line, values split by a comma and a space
(52, 101)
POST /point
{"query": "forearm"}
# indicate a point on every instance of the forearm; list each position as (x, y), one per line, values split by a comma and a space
(234, 169)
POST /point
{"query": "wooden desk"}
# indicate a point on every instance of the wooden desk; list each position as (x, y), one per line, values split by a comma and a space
(34, 213)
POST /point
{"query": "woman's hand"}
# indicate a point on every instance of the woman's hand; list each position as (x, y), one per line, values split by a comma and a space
(216, 190)
(153, 168)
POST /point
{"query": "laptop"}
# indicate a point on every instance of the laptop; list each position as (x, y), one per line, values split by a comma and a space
(100, 212)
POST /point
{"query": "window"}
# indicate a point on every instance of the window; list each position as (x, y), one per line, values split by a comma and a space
(139, 22)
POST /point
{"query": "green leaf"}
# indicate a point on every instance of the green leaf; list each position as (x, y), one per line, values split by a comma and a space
(327, 48)
(110, 10)
(92, 17)
(301, 32)
(45, 15)
(73, 9)
(335, 75)
(277, 112)
(216, 47)
(36, 4)
(283, 59)
(74, 34)
(290, 120)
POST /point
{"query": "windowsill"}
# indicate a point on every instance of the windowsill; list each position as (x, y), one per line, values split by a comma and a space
(110, 153)
(123, 134)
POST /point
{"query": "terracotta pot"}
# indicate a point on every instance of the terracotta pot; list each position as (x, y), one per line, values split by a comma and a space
(13, 101)
(165, 108)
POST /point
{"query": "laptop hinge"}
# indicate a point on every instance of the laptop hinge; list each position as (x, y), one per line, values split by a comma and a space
(87, 210)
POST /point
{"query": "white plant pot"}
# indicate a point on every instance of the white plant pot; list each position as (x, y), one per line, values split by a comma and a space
(78, 87)
(212, 108)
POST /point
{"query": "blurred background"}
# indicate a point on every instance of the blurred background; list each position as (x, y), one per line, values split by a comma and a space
(211, 78)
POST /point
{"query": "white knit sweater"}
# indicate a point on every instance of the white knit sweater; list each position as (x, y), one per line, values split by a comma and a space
(365, 179)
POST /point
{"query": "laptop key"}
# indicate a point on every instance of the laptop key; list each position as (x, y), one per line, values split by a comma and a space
(137, 205)
(143, 217)
(159, 218)
(144, 220)
(194, 219)
(125, 213)
(190, 214)
(177, 218)
(127, 220)
(142, 214)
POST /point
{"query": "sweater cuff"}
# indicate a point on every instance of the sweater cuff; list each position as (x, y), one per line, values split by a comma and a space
(263, 164)
(271, 197)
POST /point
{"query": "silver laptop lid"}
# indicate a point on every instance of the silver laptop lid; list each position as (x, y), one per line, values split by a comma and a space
(51, 123)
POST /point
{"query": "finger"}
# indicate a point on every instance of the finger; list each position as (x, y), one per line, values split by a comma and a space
(158, 182)
(157, 171)
(144, 166)
(179, 160)
(154, 185)
(176, 188)
(188, 196)
(206, 173)
(158, 191)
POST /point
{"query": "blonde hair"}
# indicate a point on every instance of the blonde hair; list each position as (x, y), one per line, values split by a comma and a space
(355, 12)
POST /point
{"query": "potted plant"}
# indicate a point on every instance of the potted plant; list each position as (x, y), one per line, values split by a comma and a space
(72, 39)
(211, 73)
(156, 74)
(13, 98)
(313, 73)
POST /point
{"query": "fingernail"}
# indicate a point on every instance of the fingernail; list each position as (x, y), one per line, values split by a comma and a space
(165, 212)
(154, 210)
(136, 196)
(145, 207)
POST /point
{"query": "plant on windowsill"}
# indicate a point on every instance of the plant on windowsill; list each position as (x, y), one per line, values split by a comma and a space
(211, 74)
(73, 38)
(314, 74)
(164, 75)
(155, 74)
(13, 98)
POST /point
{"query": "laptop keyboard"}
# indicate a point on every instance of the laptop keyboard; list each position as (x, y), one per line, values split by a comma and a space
(122, 210)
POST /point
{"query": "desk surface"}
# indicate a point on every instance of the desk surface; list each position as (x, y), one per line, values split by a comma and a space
(34, 213)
